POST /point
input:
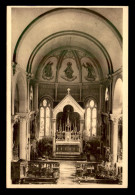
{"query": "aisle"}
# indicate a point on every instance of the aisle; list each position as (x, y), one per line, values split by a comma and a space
(67, 172)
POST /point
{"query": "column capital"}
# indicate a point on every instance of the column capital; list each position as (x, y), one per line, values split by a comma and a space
(25, 116)
(29, 75)
(15, 119)
(17, 68)
(115, 117)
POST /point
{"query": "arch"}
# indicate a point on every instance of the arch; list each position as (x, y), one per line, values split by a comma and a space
(86, 99)
(47, 97)
(112, 27)
(80, 34)
(118, 97)
(68, 100)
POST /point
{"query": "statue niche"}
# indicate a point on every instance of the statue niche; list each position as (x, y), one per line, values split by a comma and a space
(69, 73)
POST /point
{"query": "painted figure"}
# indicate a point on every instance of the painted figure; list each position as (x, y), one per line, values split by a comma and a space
(47, 72)
(90, 69)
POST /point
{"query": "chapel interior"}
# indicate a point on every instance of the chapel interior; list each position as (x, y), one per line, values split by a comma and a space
(66, 88)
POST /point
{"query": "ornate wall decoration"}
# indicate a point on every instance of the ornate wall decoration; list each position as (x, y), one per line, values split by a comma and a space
(69, 54)
(47, 71)
(91, 72)
(69, 73)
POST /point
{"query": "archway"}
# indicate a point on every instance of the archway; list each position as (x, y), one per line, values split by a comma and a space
(20, 107)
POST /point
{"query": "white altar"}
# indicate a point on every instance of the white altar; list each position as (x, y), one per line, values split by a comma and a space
(67, 136)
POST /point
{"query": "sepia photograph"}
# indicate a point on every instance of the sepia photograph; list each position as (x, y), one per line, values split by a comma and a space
(67, 97)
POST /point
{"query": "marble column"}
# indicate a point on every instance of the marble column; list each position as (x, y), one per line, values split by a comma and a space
(14, 119)
(12, 131)
(100, 110)
(28, 138)
(56, 91)
(81, 131)
(115, 118)
(100, 97)
(28, 94)
(36, 97)
(23, 138)
(12, 100)
(110, 94)
(80, 91)
(54, 131)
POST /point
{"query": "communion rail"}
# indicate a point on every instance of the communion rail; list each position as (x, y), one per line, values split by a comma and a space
(40, 171)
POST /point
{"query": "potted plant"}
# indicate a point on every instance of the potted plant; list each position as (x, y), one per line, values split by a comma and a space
(44, 147)
(91, 146)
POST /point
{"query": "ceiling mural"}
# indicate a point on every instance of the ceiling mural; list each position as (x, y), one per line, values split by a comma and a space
(47, 70)
(89, 71)
(68, 65)
(68, 71)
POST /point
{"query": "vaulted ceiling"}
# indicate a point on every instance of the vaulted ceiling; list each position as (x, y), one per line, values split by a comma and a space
(67, 33)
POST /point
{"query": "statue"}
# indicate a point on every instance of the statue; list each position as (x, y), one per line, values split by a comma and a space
(47, 72)
(69, 73)
(91, 72)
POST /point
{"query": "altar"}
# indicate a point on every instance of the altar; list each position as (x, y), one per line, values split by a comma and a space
(68, 125)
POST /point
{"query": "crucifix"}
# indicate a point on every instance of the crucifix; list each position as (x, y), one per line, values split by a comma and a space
(68, 90)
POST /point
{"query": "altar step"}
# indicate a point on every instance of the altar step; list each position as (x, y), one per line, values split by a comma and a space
(68, 157)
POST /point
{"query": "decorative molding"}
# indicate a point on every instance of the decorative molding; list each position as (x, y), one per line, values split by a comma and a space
(25, 116)
(15, 119)
(115, 117)
(68, 100)
(29, 75)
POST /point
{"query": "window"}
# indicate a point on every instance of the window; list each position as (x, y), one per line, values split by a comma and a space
(91, 117)
(106, 100)
(31, 98)
(45, 118)
(106, 94)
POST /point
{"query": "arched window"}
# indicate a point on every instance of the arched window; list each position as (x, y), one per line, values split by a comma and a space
(107, 100)
(45, 118)
(91, 117)
(31, 98)
(106, 94)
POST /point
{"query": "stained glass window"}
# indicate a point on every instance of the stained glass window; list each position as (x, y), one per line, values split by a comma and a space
(31, 98)
(45, 118)
(91, 117)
